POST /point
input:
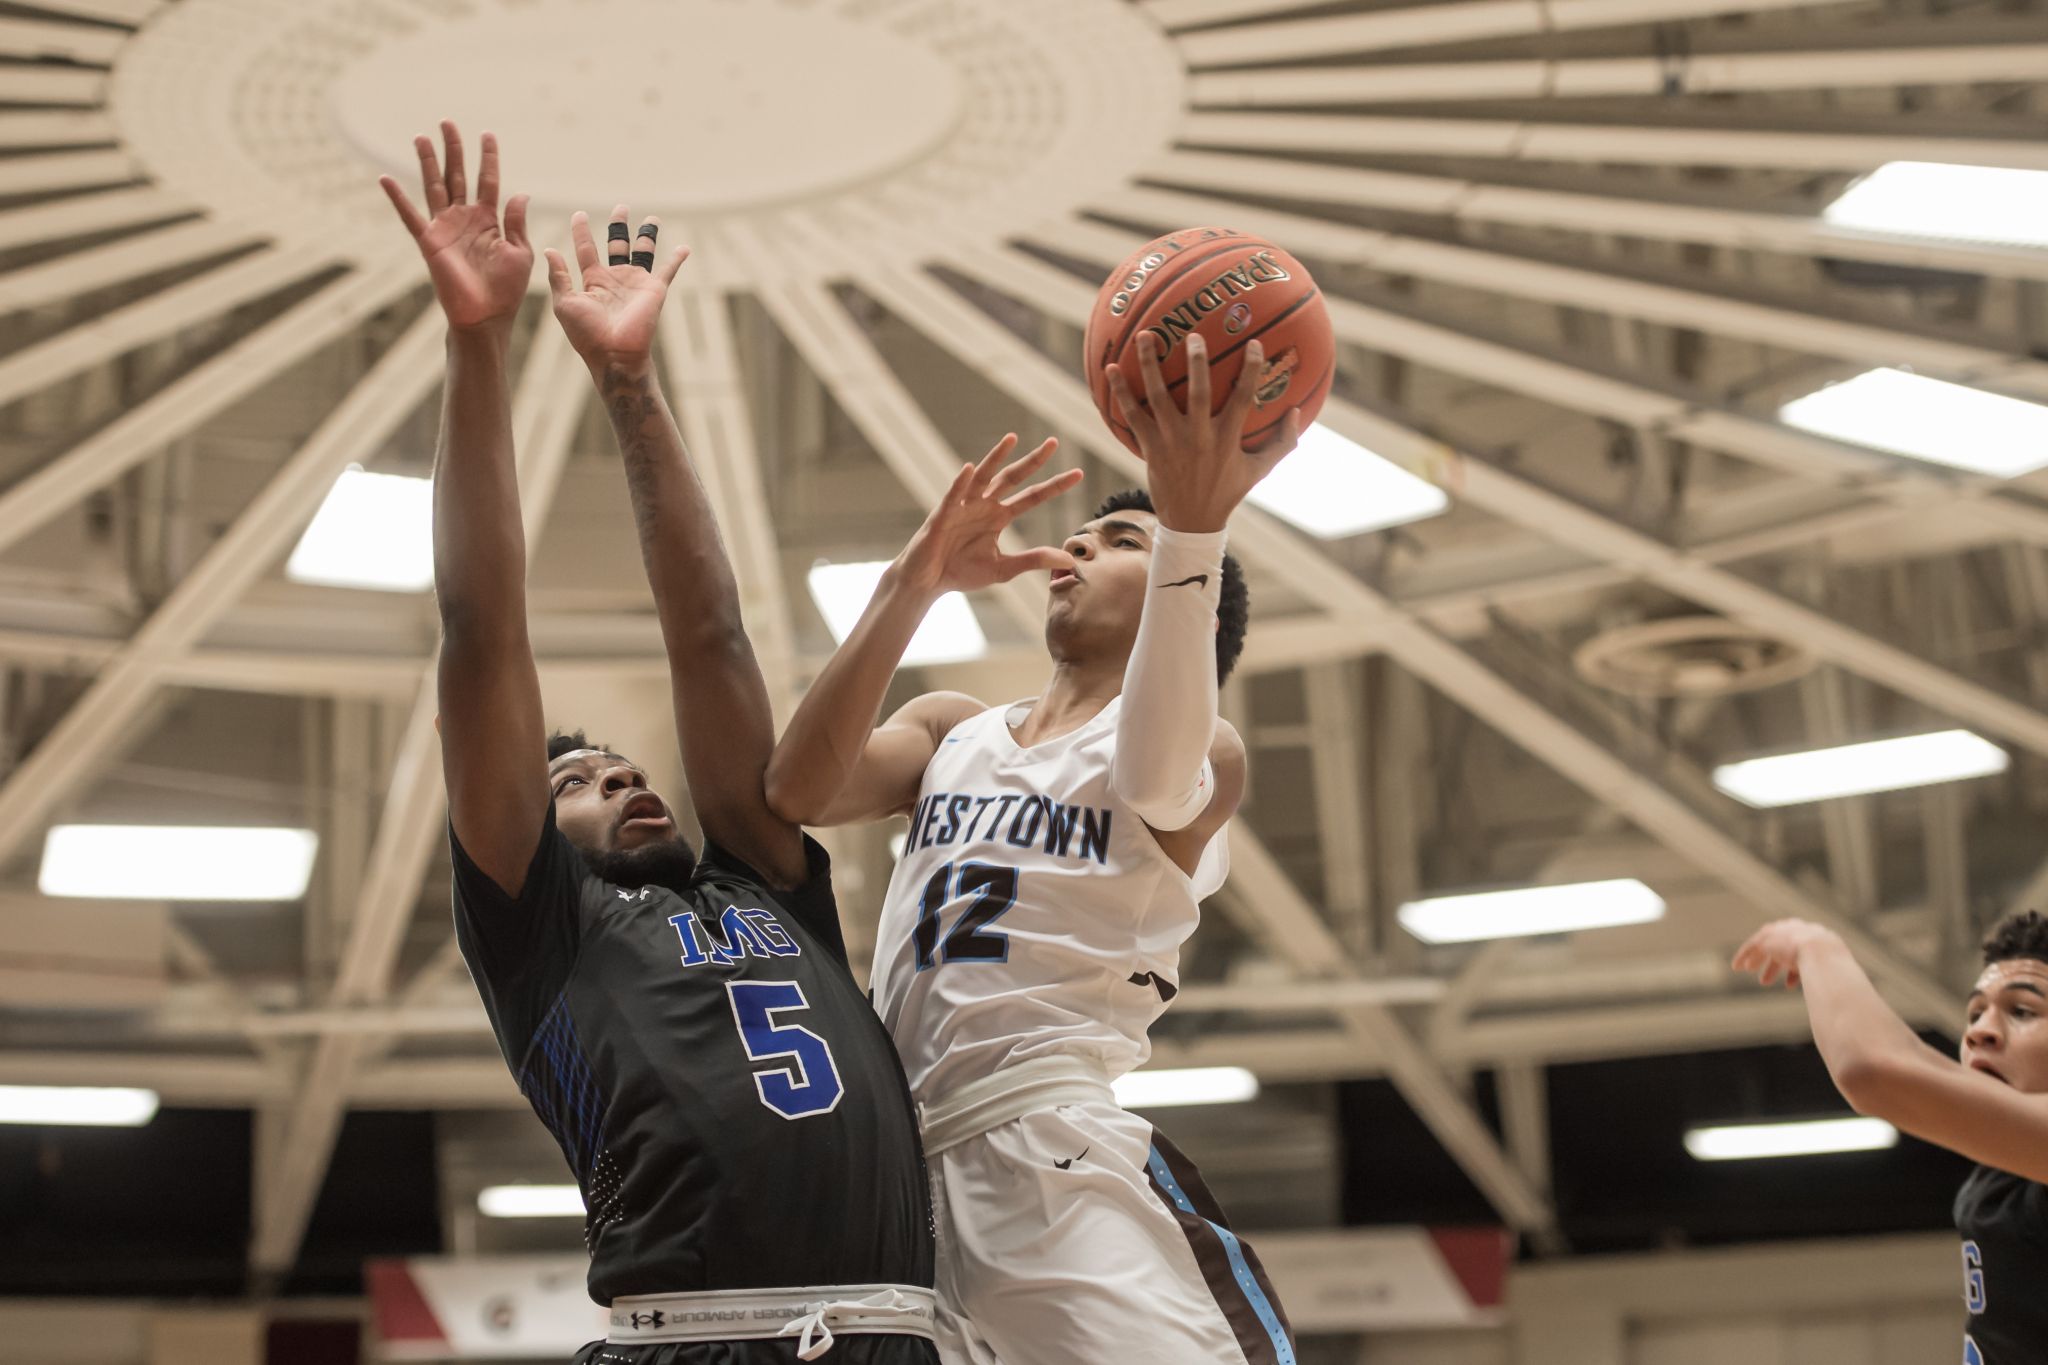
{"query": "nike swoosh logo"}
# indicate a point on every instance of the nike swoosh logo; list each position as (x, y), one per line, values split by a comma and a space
(1068, 1163)
(1200, 580)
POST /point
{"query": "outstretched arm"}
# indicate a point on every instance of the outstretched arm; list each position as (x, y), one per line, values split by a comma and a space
(834, 766)
(1881, 1066)
(1172, 750)
(723, 718)
(492, 744)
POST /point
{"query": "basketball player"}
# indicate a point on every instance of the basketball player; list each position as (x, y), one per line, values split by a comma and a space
(1057, 851)
(1991, 1106)
(683, 1022)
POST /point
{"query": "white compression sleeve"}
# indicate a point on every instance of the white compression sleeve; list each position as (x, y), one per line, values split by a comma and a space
(1168, 719)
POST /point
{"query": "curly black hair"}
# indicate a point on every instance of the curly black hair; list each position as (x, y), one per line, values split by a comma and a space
(569, 741)
(1233, 613)
(2021, 935)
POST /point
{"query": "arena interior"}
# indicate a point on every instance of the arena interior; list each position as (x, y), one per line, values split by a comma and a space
(1692, 361)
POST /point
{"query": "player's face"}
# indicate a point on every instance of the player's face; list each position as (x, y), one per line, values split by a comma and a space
(1095, 607)
(602, 804)
(2008, 1024)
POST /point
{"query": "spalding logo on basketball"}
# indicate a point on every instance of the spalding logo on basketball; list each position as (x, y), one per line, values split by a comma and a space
(1230, 287)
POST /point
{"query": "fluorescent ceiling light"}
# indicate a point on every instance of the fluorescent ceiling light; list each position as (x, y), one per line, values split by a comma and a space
(1879, 765)
(1933, 199)
(177, 862)
(1331, 486)
(530, 1201)
(374, 531)
(1928, 419)
(949, 632)
(1813, 1137)
(1529, 910)
(77, 1106)
(1190, 1085)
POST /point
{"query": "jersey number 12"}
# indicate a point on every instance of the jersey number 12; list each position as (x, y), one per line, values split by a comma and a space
(994, 890)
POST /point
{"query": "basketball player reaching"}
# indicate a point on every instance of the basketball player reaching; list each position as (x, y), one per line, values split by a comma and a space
(1057, 852)
(683, 1022)
(1990, 1106)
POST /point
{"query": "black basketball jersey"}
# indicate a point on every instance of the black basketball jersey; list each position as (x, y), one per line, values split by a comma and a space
(2004, 1222)
(732, 1108)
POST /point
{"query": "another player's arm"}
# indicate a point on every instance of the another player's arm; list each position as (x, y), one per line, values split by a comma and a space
(834, 765)
(492, 742)
(1881, 1066)
(1177, 764)
(723, 718)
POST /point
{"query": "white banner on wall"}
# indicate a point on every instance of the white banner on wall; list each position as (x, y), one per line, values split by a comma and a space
(1343, 1280)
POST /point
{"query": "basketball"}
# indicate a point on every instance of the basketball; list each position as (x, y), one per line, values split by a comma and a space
(1230, 287)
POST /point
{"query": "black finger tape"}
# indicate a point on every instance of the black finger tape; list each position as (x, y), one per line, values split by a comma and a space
(645, 260)
(616, 232)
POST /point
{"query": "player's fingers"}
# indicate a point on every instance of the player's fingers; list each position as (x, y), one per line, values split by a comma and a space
(407, 214)
(1022, 468)
(1198, 375)
(458, 176)
(618, 246)
(672, 265)
(1134, 414)
(957, 490)
(1278, 445)
(643, 244)
(1245, 392)
(559, 284)
(1153, 378)
(487, 172)
(431, 181)
(581, 242)
(1044, 559)
(515, 220)
(985, 468)
(1043, 492)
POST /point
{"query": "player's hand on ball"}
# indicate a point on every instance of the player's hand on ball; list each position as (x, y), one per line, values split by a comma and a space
(611, 319)
(1773, 951)
(479, 269)
(958, 549)
(1196, 464)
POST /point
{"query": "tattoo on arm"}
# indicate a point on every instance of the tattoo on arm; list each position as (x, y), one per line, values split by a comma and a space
(635, 409)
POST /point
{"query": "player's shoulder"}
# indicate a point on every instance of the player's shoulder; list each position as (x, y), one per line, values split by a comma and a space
(940, 712)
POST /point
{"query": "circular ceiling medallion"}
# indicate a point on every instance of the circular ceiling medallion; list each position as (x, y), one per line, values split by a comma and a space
(901, 126)
(1690, 656)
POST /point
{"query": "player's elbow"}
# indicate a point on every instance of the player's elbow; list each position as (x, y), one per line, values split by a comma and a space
(1165, 807)
(1876, 1086)
(787, 798)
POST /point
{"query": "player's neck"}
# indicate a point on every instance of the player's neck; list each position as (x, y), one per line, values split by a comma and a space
(1076, 695)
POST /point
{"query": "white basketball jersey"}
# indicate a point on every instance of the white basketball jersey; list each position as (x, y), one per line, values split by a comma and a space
(1032, 912)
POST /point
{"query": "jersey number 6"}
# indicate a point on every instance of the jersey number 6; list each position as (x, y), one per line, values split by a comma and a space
(994, 890)
(808, 1083)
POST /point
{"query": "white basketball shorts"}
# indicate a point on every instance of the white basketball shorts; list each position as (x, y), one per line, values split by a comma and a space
(1077, 1235)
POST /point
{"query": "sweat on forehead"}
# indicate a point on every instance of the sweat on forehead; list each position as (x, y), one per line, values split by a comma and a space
(2023, 973)
(584, 755)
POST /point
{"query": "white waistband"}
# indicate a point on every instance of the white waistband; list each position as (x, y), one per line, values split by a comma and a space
(1010, 1093)
(811, 1315)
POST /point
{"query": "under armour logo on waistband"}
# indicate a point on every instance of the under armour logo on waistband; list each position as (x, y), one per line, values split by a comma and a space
(654, 1319)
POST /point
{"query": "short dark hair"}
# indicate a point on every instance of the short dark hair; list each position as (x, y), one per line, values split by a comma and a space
(568, 742)
(1233, 612)
(2021, 935)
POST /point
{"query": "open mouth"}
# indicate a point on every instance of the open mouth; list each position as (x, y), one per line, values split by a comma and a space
(643, 807)
(1989, 1070)
(1064, 578)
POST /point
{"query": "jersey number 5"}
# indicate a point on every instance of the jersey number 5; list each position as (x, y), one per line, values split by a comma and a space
(808, 1082)
(994, 890)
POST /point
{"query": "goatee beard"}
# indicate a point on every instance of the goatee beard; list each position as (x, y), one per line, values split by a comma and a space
(669, 864)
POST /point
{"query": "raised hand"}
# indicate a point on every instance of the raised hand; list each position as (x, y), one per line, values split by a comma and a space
(479, 269)
(1773, 951)
(956, 549)
(611, 320)
(1196, 465)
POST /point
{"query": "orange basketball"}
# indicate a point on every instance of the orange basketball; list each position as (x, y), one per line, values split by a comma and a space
(1230, 287)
